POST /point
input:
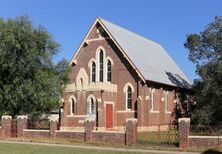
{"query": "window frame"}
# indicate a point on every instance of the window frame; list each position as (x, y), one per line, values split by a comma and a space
(101, 67)
(93, 72)
(129, 98)
(109, 71)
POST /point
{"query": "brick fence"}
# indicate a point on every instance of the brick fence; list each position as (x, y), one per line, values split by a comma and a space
(89, 134)
(186, 140)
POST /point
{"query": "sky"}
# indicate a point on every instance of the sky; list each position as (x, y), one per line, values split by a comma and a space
(166, 22)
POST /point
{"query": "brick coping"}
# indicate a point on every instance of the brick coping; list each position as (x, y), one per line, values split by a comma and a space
(70, 131)
(35, 130)
(213, 137)
(108, 131)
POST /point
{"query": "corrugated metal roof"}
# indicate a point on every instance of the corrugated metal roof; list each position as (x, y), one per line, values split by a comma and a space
(149, 57)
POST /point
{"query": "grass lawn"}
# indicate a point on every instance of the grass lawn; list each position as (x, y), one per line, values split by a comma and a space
(8, 148)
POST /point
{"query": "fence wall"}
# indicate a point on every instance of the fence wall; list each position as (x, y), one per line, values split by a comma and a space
(127, 136)
(88, 133)
(188, 140)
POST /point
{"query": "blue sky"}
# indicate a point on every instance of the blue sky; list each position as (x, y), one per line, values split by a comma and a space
(164, 21)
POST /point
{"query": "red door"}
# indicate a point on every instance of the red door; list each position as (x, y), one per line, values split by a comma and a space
(109, 116)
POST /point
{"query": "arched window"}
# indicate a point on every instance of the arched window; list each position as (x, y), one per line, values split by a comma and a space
(91, 106)
(129, 97)
(166, 100)
(81, 84)
(73, 106)
(109, 71)
(93, 72)
(152, 100)
(101, 66)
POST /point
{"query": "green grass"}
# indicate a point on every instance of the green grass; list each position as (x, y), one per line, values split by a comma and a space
(7, 148)
(158, 138)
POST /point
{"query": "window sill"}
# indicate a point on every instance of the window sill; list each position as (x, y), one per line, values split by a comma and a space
(168, 112)
(126, 111)
(152, 111)
(76, 116)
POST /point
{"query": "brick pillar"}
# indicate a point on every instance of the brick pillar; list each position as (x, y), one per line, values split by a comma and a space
(131, 131)
(88, 130)
(6, 126)
(184, 130)
(54, 123)
(21, 124)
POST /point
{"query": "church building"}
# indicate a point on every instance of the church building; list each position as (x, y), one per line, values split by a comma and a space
(117, 74)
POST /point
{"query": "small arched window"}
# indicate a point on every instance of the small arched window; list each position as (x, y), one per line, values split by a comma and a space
(81, 84)
(73, 106)
(109, 73)
(93, 72)
(101, 66)
(129, 97)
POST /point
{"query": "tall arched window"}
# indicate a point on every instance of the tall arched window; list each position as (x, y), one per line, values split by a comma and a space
(93, 72)
(166, 100)
(101, 66)
(91, 106)
(73, 106)
(129, 97)
(109, 71)
(152, 100)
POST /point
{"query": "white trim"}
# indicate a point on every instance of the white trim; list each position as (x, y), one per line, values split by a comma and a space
(96, 39)
(110, 59)
(6, 117)
(154, 111)
(108, 131)
(206, 137)
(126, 111)
(166, 101)
(184, 119)
(70, 131)
(35, 130)
(106, 70)
(81, 85)
(76, 116)
(90, 67)
(97, 86)
(126, 86)
(151, 100)
(98, 50)
(109, 102)
(22, 117)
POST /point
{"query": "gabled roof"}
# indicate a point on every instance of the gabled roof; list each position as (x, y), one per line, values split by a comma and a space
(150, 59)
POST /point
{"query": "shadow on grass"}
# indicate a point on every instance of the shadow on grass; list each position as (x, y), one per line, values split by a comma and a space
(211, 151)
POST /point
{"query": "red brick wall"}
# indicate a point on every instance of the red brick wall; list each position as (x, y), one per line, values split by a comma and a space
(70, 135)
(36, 133)
(122, 73)
(207, 141)
(109, 137)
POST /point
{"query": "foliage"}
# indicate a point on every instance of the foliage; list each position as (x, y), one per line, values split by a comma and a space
(205, 50)
(30, 83)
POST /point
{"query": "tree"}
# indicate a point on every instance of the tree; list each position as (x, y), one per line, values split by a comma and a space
(205, 50)
(30, 83)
